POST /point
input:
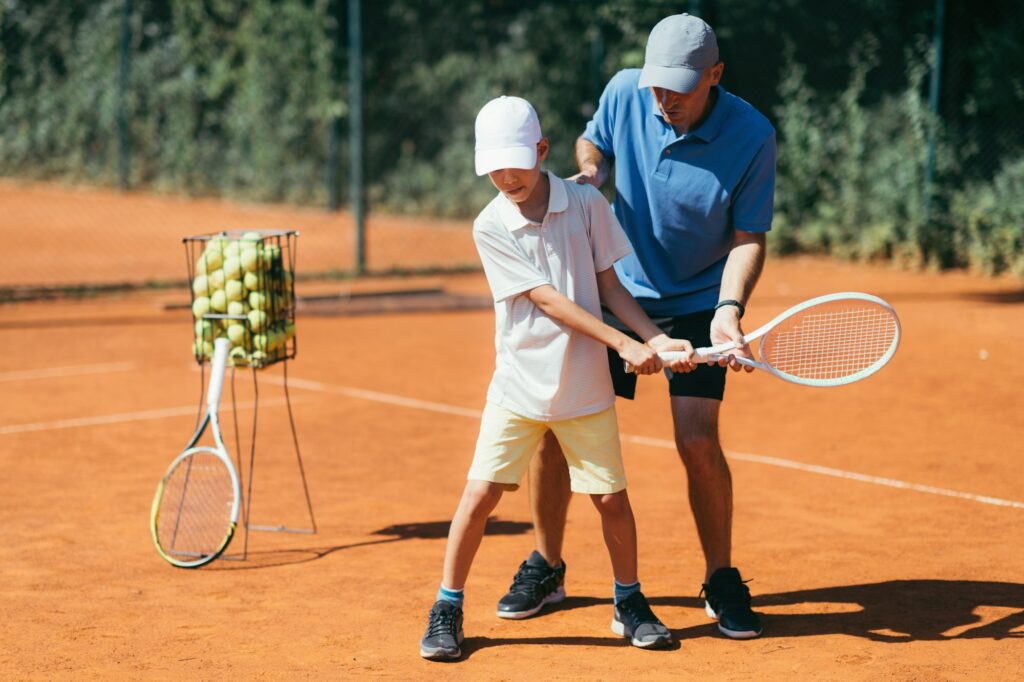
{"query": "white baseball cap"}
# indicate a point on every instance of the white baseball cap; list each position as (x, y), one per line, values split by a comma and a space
(507, 133)
(679, 48)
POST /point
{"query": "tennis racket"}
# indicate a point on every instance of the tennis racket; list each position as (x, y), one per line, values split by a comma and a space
(195, 509)
(830, 340)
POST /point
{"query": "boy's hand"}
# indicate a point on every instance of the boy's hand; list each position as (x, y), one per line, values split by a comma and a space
(640, 358)
(664, 343)
(725, 328)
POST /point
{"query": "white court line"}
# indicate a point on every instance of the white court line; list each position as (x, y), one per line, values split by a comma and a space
(124, 417)
(661, 443)
(76, 370)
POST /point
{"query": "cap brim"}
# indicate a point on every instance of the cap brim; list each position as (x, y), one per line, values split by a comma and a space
(489, 160)
(674, 78)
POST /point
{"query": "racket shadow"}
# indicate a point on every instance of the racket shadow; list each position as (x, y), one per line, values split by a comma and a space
(427, 530)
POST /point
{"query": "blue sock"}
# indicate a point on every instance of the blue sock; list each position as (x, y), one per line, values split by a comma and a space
(454, 596)
(624, 591)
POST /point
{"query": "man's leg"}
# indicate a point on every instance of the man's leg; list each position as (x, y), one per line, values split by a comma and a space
(710, 486)
(708, 478)
(549, 498)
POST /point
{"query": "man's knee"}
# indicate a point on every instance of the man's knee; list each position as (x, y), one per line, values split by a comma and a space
(699, 451)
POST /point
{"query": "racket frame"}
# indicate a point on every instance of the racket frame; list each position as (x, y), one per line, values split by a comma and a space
(718, 352)
(217, 371)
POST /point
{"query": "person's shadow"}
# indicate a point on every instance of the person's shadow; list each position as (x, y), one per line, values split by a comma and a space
(894, 611)
(233, 560)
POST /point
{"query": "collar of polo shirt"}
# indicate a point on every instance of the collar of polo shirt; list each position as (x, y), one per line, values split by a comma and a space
(558, 201)
(712, 125)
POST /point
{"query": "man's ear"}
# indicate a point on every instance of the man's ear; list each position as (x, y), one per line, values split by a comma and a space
(542, 149)
(716, 72)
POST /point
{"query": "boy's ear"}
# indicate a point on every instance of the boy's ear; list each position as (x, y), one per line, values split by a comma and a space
(542, 149)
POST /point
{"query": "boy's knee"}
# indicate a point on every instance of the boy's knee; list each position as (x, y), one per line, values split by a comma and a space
(482, 496)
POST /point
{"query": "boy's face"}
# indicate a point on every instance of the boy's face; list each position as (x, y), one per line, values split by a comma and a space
(686, 109)
(518, 183)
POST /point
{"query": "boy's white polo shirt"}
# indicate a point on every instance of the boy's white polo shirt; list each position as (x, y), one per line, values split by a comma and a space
(544, 370)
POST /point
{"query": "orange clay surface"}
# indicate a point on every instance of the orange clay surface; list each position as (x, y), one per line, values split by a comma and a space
(889, 575)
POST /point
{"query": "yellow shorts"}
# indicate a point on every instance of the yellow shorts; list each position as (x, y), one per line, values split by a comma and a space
(590, 443)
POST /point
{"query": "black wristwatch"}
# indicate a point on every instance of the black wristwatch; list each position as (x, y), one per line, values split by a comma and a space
(730, 301)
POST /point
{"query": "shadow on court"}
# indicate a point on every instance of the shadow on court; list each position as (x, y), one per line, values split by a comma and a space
(895, 611)
(429, 530)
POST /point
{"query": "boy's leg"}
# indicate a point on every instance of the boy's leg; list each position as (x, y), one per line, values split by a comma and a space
(467, 530)
(444, 624)
(633, 617)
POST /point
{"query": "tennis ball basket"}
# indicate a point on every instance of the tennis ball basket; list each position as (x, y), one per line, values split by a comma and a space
(243, 289)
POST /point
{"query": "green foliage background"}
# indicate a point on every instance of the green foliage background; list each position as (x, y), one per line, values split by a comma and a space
(238, 98)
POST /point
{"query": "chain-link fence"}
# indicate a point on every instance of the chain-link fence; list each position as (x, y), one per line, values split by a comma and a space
(247, 109)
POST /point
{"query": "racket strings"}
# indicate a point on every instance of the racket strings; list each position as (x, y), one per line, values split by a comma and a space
(831, 341)
(195, 508)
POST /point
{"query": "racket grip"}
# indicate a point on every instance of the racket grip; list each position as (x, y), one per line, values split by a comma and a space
(221, 347)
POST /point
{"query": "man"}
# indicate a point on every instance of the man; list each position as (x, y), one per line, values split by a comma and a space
(694, 181)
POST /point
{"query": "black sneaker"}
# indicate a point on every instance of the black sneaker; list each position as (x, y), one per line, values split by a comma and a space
(444, 632)
(535, 585)
(635, 621)
(727, 599)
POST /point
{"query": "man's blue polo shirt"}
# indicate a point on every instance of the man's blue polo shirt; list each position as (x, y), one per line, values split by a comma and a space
(679, 198)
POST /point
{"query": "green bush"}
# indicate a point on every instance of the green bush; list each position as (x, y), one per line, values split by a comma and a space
(991, 216)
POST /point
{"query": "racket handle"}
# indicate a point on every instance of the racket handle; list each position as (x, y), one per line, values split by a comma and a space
(221, 347)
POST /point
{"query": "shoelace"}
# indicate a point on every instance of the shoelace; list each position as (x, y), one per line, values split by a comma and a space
(638, 610)
(730, 594)
(530, 579)
(441, 623)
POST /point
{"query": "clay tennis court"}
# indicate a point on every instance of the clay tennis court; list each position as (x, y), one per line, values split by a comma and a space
(881, 522)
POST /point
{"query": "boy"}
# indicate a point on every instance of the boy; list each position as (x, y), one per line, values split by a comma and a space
(547, 248)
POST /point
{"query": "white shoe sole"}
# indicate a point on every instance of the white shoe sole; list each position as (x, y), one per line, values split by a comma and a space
(732, 634)
(553, 598)
(620, 629)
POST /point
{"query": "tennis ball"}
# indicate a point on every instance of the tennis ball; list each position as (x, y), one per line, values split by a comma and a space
(232, 267)
(261, 342)
(201, 285)
(231, 249)
(271, 254)
(219, 301)
(215, 280)
(236, 332)
(234, 290)
(237, 356)
(251, 237)
(258, 358)
(289, 330)
(257, 320)
(238, 308)
(204, 330)
(202, 348)
(250, 260)
(200, 306)
(251, 280)
(257, 300)
(209, 260)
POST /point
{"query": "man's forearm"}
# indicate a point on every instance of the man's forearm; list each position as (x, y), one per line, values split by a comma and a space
(591, 161)
(743, 267)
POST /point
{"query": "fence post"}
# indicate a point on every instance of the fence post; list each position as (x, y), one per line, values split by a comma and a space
(124, 70)
(334, 124)
(355, 130)
(934, 85)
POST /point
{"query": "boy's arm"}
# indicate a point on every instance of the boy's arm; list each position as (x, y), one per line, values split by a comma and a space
(615, 297)
(559, 308)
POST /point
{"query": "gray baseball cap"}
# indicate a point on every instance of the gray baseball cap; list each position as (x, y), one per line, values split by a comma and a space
(679, 48)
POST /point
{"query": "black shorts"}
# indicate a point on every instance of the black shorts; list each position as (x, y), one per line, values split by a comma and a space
(703, 382)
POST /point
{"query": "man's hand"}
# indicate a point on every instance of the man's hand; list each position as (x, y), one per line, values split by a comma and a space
(588, 176)
(725, 328)
(664, 343)
(640, 358)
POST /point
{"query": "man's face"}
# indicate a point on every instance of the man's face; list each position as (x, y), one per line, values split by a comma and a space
(684, 110)
(518, 183)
